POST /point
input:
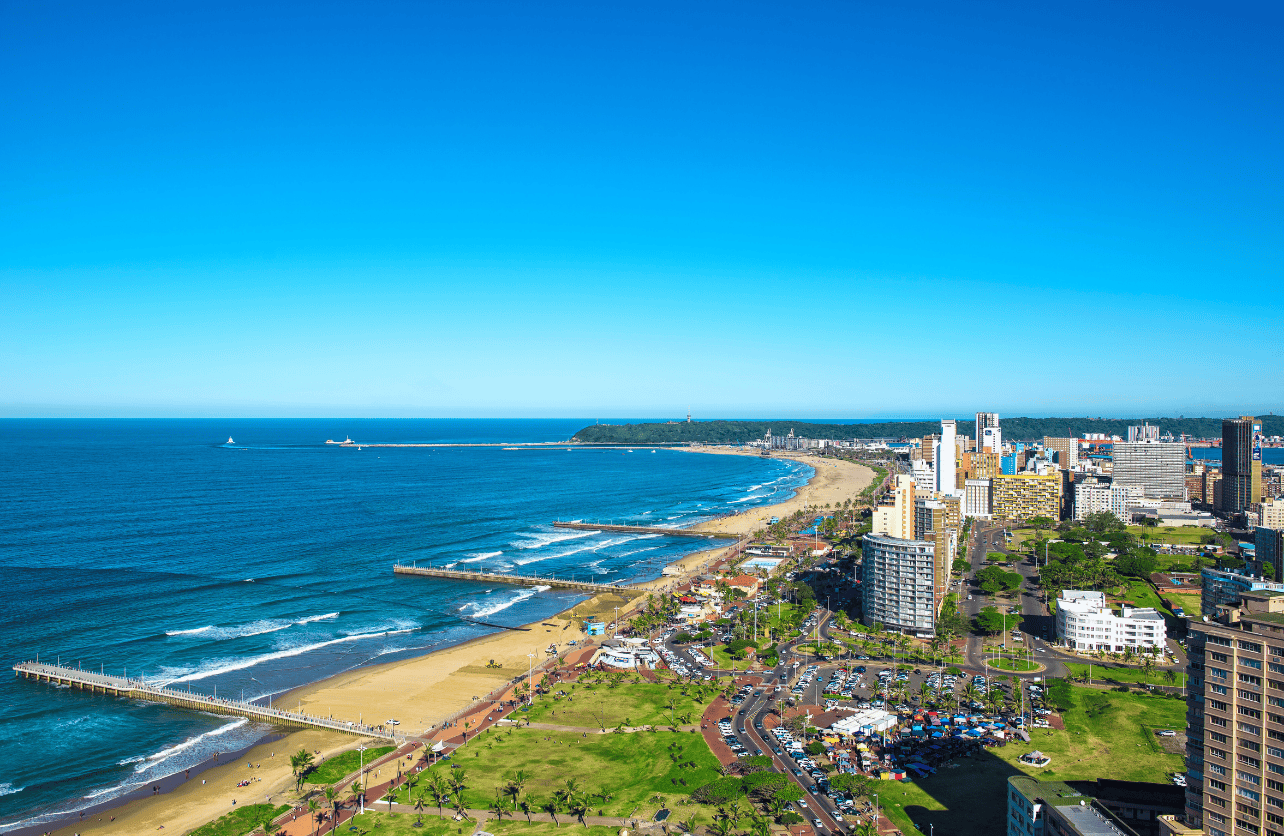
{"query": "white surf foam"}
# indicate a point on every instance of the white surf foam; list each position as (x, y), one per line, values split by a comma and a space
(9, 789)
(166, 754)
(228, 665)
(189, 632)
(253, 628)
(480, 610)
(539, 540)
(480, 556)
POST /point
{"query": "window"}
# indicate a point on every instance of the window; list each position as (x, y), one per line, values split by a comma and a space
(1218, 705)
(1276, 667)
(1248, 728)
(1251, 663)
(1250, 712)
(1217, 673)
(1252, 795)
(1220, 786)
(1218, 736)
(1214, 720)
(1250, 646)
(1274, 786)
(1249, 679)
(1248, 695)
(1217, 657)
(1217, 770)
(1250, 778)
(1218, 689)
(1253, 762)
(1217, 753)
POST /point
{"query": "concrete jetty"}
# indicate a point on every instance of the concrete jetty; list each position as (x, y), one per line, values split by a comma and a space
(520, 580)
(645, 529)
(140, 689)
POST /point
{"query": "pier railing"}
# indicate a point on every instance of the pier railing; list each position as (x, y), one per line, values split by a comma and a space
(141, 689)
(521, 580)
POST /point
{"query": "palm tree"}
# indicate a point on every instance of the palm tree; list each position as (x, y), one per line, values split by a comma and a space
(269, 826)
(550, 806)
(497, 806)
(525, 804)
(358, 796)
(514, 785)
(690, 822)
(420, 802)
(313, 808)
(332, 798)
(439, 790)
(300, 762)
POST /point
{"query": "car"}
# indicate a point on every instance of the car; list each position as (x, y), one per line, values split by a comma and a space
(1165, 733)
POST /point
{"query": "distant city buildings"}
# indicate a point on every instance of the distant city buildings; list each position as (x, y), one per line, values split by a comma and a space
(1066, 450)
(989, 438)
(1094, 496)
(1143, 433)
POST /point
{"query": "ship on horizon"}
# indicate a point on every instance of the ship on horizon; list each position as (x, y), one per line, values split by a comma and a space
(346, 440)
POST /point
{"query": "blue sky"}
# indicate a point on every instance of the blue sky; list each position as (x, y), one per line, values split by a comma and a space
(507, 209)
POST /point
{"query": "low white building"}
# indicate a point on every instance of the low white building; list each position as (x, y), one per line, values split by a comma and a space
(1086, 622)
(1093, 496)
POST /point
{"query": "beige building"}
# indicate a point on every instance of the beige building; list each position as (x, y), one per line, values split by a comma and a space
(1272, 513)
(894, 516)
(1026, 495)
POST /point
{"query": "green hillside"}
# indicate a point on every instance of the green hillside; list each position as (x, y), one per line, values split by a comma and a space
(1015, 429)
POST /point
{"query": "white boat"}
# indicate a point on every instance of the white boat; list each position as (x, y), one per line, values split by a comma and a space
(229, 440)
(346, 440)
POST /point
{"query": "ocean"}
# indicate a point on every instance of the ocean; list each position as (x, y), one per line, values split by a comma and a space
(154, 548)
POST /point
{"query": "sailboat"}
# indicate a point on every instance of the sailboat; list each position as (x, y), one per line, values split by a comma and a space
(229, 440)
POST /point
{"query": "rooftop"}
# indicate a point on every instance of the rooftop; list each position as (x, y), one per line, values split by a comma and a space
(1089, 821)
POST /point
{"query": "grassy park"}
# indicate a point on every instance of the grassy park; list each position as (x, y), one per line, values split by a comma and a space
(1127, 674)
(1108, 735)
(1183, 535)
(600, 706)
(1007, 663)
(344, 764)
(241, 820)
(619, 772)
(1188, 603)
(403, 824)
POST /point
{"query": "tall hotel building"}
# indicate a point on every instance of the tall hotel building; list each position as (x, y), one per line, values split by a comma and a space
(989, 437)
(1235, 719)
(1241, 463)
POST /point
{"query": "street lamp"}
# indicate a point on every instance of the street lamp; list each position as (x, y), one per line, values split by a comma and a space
(361, 773)
(530, 673)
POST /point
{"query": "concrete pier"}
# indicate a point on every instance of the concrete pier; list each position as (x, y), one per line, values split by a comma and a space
(140, 689)
(520, 580)
(645, 529)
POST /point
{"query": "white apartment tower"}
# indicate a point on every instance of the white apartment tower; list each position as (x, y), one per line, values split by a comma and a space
(946, 459)
(986, 421)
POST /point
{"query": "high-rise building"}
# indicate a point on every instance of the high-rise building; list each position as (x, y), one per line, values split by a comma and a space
(1026, 495)
(938, 520)
(991, 441)
(976, 498)
(1235, 718)
(1103, 807)
(1241, 463)
(1067, 450)
(1269, 551)
(945, 460)
(1157, 468)
(894, 515)
(897, 584)
(987, 421)
(979, 465)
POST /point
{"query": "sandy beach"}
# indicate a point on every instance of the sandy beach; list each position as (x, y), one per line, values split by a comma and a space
(422, 692)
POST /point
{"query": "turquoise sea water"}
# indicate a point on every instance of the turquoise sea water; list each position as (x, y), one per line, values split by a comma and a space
(156, 548)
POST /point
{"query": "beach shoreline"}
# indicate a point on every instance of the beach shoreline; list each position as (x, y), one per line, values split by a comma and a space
(423, 691)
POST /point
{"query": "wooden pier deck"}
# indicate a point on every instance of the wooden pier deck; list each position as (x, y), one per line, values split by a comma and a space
(645, 529)
(140, 689)
(520, 580)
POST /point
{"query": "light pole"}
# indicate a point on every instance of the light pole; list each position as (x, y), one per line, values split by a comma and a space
(361, 773)
(530, 673)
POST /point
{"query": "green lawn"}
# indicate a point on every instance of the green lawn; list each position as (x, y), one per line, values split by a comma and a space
(1114, 739)
(1121, 674)
(596, 706)
(1142, 594)
(1184, 535)
(1009, 664)
(240, 821)
(519, 827)
(1189, 603)
(344, 764)
(403, 824)
(633, 770)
